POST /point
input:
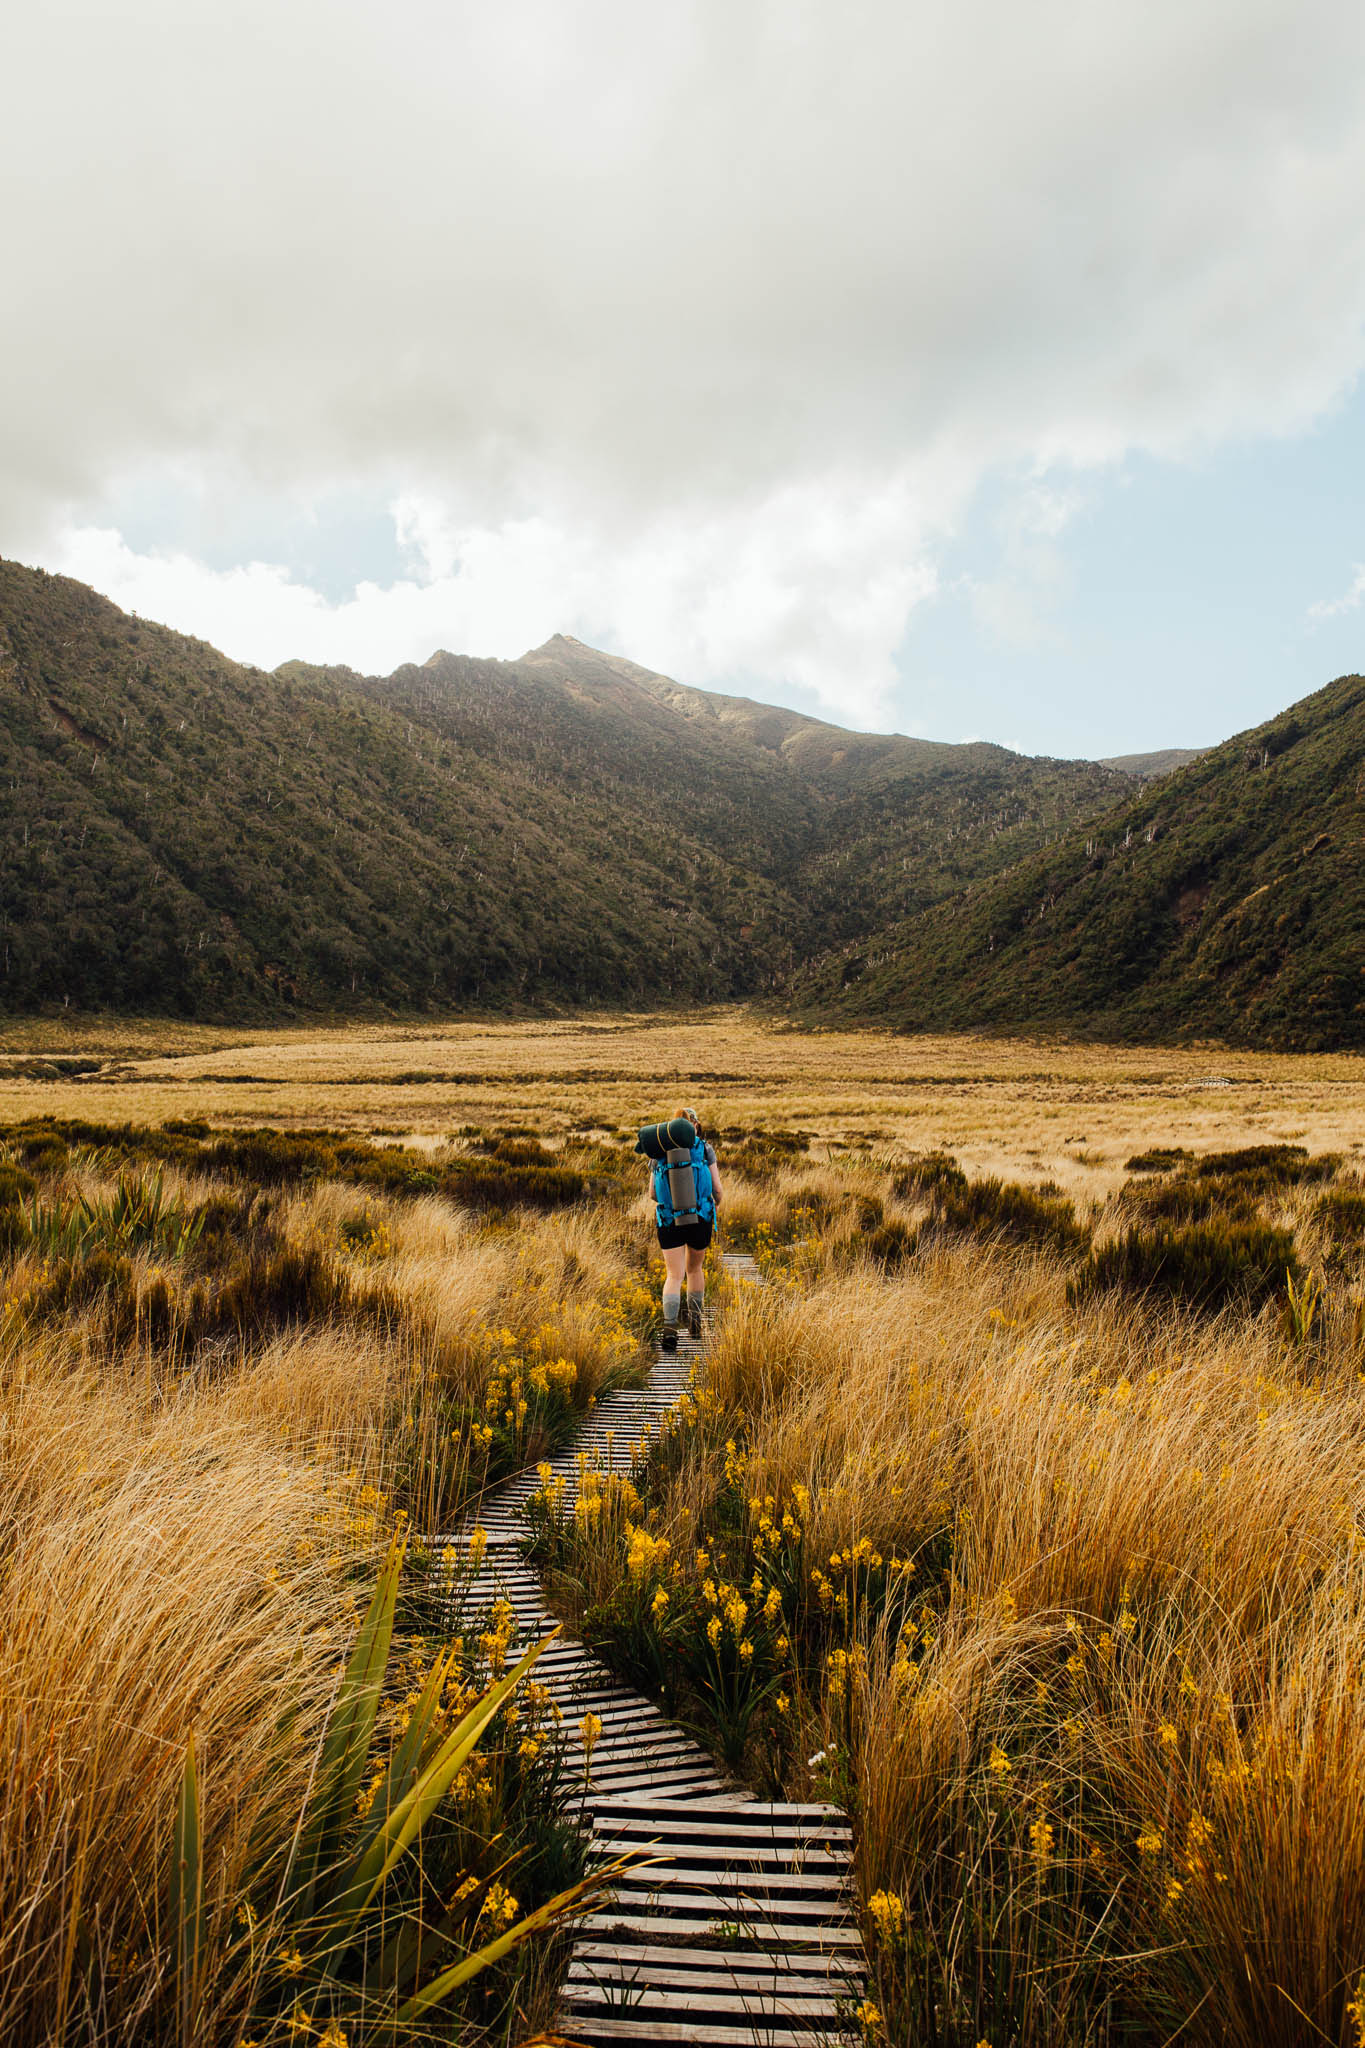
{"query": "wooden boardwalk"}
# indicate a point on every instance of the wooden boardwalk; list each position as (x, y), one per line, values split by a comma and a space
(739, 1928)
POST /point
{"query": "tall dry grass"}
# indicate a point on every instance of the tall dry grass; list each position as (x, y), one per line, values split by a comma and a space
(186, 1528)
(1117, 1718)
(162, 1576)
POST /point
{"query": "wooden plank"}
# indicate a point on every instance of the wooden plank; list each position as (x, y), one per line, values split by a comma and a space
(704, 2034)
(731, 1962)
(707, 1855)
(759, 1808)
(737, 1828)
(820, 1939)
(627, 1966)
(806, 1895)
(725, 1906)
(724, 2004)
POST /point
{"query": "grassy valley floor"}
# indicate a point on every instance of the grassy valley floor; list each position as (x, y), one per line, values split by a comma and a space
(1019, 1513)
(1025, 1109)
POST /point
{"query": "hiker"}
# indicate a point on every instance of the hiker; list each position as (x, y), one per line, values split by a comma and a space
(686, 1188)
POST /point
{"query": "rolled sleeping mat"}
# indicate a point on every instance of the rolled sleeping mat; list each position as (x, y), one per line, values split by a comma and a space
(656, 1141)
(682, 1186)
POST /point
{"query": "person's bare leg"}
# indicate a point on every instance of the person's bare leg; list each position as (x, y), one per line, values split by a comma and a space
(675, 1263)
(696, 1289)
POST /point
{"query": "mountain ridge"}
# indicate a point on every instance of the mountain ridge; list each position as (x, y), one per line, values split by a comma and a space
(189, 834)
(182, 834)
(1224, 900)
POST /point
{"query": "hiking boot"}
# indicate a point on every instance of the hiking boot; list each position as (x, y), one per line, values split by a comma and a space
(668, 1337)
(694, 1314)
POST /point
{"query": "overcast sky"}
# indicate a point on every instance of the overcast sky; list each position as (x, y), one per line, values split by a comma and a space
(968, 368)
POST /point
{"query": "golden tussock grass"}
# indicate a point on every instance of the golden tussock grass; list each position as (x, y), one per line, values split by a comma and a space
(1027, 1109)
(1123, 1712)
(187, 1533)
(154, 1584)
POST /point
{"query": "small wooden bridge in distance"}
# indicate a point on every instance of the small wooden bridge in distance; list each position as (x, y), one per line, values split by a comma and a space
(739, 1929)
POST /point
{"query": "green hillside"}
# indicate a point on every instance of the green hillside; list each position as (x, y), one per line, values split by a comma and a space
(1226, 900)
(182, 834)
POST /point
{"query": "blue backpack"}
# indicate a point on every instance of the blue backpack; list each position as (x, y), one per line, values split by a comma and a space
(682, 1178)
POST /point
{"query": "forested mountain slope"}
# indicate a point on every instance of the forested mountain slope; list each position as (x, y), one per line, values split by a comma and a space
(179, 833)
(1225, 900)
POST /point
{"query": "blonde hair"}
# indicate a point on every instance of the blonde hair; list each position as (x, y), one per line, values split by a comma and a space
(692, 1118)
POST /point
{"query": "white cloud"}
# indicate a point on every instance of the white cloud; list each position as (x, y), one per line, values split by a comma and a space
(1350, 599)
(692, 324)
(1017, 608)
(817, 582)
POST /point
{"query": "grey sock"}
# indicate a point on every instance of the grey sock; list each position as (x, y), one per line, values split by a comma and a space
(672, 1302)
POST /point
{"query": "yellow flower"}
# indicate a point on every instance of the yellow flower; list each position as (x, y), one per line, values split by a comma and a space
(1149, 1841)
(1355, 2011)
(1174, 1888)
(500, 1908)
(868, 2014)
(713, 1631)
(999, 1763)
(590, 1727)
(887, 1912)
(1167, 1735)
(1041, 1837)
(658, 1603)
(288, 1961)
(782, 1703)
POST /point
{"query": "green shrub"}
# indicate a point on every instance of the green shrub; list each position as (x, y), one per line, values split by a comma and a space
(1207, 1266)
(288, 1284)
(1188, 1200)
(499, 1186)
(1160, 1159)
(1341, 1212)
(16, 1186)
(1268, 1166)
(929, 1174)
(891, 1244)
(46, 1152)
(995, 1208)
(518, 1151)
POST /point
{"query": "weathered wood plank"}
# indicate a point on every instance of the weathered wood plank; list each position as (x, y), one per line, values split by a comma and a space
(702, 2033)
(726, 2004)
(762, 1934)
(761, 1978)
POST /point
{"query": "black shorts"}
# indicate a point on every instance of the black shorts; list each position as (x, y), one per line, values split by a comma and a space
(696, 1236)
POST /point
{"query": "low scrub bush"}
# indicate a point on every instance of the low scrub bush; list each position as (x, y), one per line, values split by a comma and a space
(1209, 1266)
(1159, 1159)
(1270, 1166)
(501, 1185)
(1341, 1213)
(933, 1174)
(1030, 1216)
(1186, 1199)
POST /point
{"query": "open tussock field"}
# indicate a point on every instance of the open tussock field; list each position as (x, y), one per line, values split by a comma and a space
(1017, 1512)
